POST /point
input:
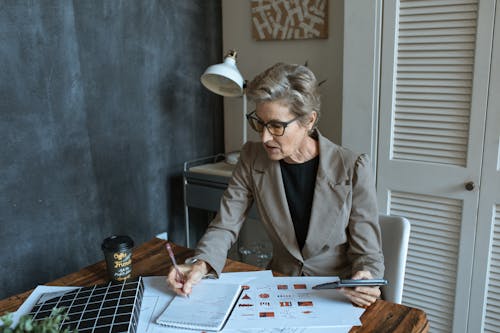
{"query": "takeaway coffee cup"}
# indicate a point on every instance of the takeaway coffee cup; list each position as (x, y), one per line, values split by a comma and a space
(118, 254)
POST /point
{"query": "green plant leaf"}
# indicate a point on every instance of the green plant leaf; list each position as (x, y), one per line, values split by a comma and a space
(27, 324)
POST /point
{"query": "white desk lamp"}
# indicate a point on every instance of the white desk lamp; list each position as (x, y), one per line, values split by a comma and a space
(225, 79)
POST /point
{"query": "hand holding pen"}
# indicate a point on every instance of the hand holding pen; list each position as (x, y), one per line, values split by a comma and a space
(179, 275)
(181, 278)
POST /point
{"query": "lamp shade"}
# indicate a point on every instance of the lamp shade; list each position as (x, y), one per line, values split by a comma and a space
(225, 78)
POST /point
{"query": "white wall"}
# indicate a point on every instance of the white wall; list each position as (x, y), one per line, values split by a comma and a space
(324, 57)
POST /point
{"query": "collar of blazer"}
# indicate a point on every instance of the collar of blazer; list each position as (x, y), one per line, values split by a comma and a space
(331, 191)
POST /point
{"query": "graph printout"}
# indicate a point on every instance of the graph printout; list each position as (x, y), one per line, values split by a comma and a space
(290, 302)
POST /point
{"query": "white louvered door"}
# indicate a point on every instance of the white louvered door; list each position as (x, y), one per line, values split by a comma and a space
(435, 67)
(485, 295)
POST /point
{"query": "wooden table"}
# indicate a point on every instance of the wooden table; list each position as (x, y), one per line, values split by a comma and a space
(151, 259)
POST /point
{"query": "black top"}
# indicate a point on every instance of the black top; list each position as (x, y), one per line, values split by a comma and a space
(299, 181)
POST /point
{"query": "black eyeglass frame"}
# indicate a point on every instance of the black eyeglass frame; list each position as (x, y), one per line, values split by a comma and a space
(283, 124)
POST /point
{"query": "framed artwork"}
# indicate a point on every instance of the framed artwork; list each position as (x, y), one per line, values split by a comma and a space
(289, 19)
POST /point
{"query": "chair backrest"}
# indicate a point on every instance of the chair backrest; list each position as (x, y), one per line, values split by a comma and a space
(395, 237)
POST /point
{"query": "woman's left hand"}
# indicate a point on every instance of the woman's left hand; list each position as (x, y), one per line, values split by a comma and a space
(362, 296)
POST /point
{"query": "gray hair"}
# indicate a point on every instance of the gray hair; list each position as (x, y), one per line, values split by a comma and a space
(294, 85)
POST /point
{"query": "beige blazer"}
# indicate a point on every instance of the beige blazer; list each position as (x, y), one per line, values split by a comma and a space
(344, 234)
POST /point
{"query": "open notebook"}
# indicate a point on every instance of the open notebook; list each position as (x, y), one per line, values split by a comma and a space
(207, 308)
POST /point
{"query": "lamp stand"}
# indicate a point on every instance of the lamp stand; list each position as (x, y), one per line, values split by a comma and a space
(233, 157)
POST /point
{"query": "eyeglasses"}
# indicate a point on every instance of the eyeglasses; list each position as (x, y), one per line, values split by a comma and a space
(275, 128)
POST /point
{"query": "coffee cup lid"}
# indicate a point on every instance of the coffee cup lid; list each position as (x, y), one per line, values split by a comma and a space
(117, 242)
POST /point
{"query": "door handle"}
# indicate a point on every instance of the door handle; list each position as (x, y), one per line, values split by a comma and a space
(469, 186)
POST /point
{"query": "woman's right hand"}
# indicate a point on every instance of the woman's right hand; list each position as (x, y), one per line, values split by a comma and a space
(191, 275)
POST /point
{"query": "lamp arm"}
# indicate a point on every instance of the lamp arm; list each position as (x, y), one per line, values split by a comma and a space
(244, 118)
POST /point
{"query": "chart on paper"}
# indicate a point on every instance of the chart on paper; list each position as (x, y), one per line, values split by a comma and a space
(290, 302)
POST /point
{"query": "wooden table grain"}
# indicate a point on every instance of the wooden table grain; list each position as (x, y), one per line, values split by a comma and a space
(151, 259)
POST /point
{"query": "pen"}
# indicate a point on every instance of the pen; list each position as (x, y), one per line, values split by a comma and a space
(351, 283)
(172, 257)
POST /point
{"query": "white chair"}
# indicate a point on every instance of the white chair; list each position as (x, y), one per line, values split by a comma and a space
(395, 237)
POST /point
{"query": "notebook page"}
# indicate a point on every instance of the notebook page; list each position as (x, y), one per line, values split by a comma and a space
(207, 307)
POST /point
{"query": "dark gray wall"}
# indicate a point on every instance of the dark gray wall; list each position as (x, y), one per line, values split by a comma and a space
(100, 105)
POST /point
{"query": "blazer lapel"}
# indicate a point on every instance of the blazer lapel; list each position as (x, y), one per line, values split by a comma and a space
(269, 184)
(331, 190)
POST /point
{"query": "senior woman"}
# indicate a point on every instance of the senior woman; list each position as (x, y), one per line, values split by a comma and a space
(315, 199)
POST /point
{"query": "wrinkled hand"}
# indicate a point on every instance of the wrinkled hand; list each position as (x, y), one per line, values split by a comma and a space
(191, 275)
(362, 296)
